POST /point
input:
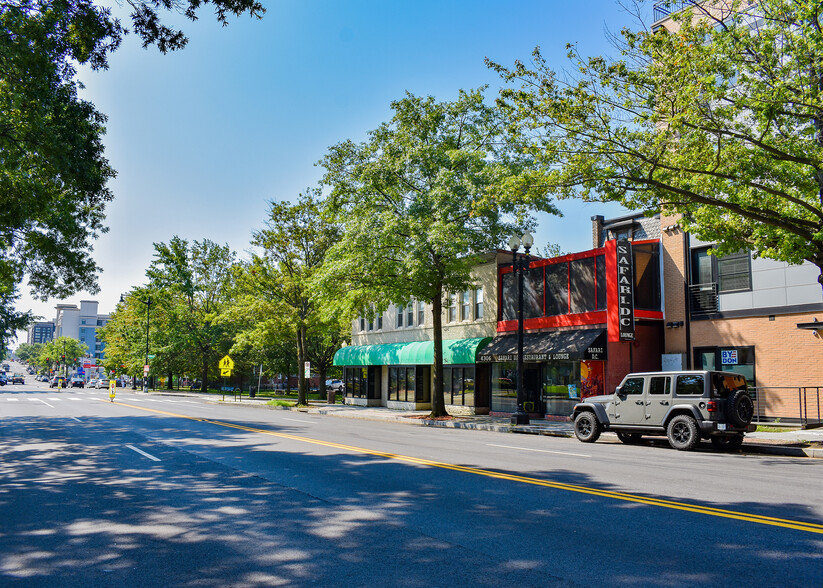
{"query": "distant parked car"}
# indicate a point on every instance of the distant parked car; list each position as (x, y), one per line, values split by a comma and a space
(78, 382)
(335, 385)
(57, 382)
(18, 379)
(99, 383)
(3, 379)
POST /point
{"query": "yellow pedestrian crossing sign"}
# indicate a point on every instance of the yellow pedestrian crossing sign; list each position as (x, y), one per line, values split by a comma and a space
(226, 366)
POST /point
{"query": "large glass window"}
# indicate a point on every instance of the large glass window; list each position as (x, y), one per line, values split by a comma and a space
(458, 385)
(689, 385)
(646, 276)
(600, 278)
(421, 313)
(504, 387)
(557, 289)
(581, 282)
(402, 384)
(508, 297)
(533, 293)
(740, 360)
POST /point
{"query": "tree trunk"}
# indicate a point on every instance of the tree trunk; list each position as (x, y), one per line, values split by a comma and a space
(301, 372)
(438, 400)
(170, 385)
(204, 386)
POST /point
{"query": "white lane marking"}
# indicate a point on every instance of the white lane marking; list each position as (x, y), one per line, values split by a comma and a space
(141, 452)
(540, 450)
(299, 421)
(57, 399)
(13, 399)
(41, 400)
(75, 399)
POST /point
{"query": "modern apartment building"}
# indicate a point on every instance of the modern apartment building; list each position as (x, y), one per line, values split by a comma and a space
(40, 332)
(81, 323)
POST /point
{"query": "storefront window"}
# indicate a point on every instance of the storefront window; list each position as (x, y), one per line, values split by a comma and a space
(646, 276)
(504, 387)
(561, 386)
(458, 385)
(739, 360)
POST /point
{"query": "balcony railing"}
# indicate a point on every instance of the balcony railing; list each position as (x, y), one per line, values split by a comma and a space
(703, 298)
(664, 8)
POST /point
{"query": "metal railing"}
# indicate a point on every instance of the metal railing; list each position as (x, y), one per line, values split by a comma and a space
(703, 298)
(664, 8)
(788, 404)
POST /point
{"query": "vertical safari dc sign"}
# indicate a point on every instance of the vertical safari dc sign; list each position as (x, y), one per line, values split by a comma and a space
(625, 290)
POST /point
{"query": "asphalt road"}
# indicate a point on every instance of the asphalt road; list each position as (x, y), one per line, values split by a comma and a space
(163, 491)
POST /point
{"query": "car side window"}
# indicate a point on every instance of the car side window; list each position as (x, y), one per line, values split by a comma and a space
(632, 386)
(689, 385)
(660, 386)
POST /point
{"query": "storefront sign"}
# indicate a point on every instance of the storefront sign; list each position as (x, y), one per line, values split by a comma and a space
(728, 356)
(625, 290)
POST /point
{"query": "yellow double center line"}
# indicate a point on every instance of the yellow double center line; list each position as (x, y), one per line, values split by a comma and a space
(707, 510)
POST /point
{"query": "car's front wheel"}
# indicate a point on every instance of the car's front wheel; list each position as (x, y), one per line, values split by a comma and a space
(586, 427)
(682, 432)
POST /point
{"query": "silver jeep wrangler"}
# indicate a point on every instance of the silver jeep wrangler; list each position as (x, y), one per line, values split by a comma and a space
(684, 406)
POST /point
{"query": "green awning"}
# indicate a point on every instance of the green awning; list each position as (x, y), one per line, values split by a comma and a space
(455, 352)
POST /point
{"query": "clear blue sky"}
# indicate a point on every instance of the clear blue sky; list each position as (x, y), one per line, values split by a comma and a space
(203, 138)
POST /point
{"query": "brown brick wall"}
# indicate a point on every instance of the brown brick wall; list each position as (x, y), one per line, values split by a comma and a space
(673, 244)
(784, 354)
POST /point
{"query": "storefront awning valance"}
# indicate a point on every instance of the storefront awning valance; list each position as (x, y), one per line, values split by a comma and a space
(455, 352)
(554, 345)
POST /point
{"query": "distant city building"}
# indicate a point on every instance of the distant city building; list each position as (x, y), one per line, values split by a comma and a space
(41, 332)
(81, 324)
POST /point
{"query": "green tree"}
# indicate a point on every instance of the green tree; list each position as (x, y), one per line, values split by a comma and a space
(427, 191)
(62, 354)
(195, 283)
(53, 173)
(29, 352)
(279, 292)
(718, 117)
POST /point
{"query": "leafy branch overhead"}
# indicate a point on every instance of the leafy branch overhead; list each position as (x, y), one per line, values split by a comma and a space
(717, 116)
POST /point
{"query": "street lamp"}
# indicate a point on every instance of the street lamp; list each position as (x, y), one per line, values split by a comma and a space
(520, 265)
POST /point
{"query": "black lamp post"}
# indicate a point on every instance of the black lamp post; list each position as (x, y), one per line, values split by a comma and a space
(520, 265)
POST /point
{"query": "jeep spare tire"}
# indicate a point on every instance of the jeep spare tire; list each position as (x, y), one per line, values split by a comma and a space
(739, 408)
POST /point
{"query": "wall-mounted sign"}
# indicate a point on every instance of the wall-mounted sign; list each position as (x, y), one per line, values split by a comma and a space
(625, 290)
(728, 356)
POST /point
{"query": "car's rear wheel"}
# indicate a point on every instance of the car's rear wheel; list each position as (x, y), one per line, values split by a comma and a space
(682, 432)
(586, 427)
(629, 438)
(727, 443)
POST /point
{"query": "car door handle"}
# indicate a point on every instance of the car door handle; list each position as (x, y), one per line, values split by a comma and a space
(664, 402)
(640, 402)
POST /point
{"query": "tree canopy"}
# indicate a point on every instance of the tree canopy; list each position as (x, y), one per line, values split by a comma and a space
(424, 194)
(53, 172)
(717, 116)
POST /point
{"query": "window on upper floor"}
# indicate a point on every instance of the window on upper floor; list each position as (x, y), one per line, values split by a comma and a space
(452, 310)
(421, 313)
(731, 273)
(410, 314)
(478, 303)
(379, 321)
(465, 306)
(399, 313)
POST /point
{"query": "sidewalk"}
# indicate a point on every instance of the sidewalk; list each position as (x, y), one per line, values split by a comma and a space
(793, 443)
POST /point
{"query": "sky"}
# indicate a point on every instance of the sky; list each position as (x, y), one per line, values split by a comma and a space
(204, 138)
